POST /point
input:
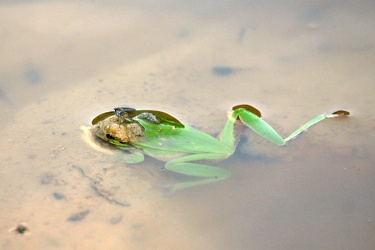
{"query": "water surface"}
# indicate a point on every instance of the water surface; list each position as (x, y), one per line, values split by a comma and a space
(64, 63)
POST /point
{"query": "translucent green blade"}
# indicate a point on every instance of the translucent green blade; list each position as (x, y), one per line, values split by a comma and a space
(261, 127)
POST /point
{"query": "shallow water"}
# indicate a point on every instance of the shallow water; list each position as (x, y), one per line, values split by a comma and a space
(64, 63)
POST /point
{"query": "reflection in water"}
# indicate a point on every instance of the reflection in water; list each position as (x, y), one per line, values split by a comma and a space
(316, 192)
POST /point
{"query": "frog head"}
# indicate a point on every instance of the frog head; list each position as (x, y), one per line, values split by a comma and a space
(116, 128)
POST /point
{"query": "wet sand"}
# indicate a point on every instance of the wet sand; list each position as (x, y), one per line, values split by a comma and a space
(317, 191)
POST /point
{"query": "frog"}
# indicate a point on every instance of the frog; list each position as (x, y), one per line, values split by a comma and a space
(185, 149)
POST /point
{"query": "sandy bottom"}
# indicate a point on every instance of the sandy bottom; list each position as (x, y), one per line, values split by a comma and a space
(315, 193)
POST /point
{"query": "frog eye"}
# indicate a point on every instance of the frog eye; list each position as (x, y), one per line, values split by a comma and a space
(120, 111)
(128, 113)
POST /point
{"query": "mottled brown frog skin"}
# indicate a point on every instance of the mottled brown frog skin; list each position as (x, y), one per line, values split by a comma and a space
(114, 127)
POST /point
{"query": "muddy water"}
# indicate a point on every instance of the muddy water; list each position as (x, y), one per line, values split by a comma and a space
(292, 61)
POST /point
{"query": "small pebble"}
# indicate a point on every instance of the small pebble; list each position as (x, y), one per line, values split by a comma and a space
(58, 196)
(222, 70)
(46, 178)
(20, 229)
(79, 216)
